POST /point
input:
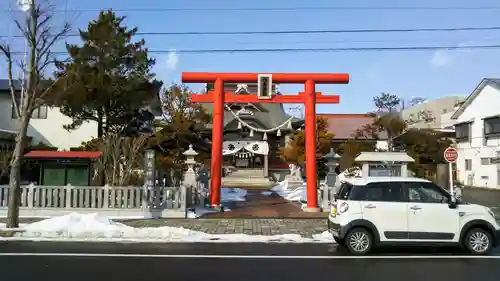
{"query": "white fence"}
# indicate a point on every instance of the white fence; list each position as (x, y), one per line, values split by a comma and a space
(46, 201)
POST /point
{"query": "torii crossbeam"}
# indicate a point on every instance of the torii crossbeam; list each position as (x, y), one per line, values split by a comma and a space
(309, 98)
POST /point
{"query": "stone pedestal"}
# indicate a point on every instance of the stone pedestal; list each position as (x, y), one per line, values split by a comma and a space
(294, 179)
(311, 210)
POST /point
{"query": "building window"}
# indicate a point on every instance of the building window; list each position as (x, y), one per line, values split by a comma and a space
(486, 161)
(39, 113)
(468, 164)
(462, 131)
(492, 126)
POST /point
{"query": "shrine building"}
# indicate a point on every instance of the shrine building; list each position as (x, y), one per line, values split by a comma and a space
(252, 136)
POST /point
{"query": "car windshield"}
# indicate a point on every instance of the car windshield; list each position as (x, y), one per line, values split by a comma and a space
(349, 192)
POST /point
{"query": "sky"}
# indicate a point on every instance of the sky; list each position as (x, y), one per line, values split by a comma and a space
(427, 74)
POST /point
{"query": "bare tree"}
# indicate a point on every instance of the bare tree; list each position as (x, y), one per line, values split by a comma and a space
(41, 36)
(5, 156)
(121, 155)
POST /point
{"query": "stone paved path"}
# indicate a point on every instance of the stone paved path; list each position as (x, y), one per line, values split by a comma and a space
(303, 227)
(258, 205)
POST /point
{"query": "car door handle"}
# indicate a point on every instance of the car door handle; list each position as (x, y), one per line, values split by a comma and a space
(370, 206)
(415, 208)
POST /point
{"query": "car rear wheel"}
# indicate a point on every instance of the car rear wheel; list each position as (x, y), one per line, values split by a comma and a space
(359, 241)
(478, 241)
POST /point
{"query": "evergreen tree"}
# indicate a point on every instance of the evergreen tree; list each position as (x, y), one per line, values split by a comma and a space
(110, 76)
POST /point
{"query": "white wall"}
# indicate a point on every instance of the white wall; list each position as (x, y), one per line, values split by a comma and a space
(49, 131)
(482, 106)
(436, 108)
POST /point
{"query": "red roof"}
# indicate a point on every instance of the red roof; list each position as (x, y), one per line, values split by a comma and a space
(63, 154)
(345, 125)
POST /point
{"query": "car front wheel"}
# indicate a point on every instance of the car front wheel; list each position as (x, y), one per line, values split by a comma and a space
(478, 241)
(359, 241)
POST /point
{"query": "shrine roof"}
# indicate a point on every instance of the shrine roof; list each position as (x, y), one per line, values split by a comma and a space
(267, 115)
(44, 154)
(345, 125)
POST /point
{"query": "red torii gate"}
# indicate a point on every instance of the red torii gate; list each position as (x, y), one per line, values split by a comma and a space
(309, 97)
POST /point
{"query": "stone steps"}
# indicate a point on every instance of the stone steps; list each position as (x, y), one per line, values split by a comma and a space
(246, 178)
(247, 182)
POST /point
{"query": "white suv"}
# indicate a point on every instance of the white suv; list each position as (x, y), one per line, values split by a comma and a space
(398, 211)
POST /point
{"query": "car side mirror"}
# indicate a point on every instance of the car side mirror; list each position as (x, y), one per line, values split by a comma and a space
(453, 202)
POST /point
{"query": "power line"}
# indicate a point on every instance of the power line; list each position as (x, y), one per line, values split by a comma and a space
(293, 9)
(296, 50)
(262, 32)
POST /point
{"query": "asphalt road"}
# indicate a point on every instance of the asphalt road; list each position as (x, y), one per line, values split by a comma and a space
(236, 262)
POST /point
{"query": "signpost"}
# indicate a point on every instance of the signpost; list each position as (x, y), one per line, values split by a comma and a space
(451, 156)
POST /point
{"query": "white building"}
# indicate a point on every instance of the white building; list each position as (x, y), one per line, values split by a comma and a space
(477, 126)
(46, 126)
(432, 114)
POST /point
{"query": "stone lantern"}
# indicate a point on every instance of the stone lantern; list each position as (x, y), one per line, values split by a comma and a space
(332, 160)
(190, 175)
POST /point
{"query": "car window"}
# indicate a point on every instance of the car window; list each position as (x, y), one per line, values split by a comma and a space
(385, 192)
(344, 191)
(425, 192)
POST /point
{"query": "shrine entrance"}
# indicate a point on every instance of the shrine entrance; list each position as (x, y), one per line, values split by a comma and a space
(265, 94)
(245, 154)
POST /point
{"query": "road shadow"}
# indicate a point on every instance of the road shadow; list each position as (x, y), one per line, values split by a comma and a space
(410, 251)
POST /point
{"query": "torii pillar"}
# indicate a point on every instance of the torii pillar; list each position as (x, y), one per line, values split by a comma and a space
(309, 98)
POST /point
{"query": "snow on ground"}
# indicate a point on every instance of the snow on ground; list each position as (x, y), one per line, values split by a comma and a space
(298, 194)
(96, 227)
(4, 226)
(227, 195)
(199, 211)
(233, 195)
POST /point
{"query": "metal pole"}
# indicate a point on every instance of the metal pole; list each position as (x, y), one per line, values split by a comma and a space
(450, 168)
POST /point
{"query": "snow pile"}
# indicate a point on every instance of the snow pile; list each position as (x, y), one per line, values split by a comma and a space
(298, 194)
(325, 237)
(353, 172)
(233, 195)
(95, 227)
(280, 186)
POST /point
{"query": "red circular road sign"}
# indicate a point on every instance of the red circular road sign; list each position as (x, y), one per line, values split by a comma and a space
(450, 155)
